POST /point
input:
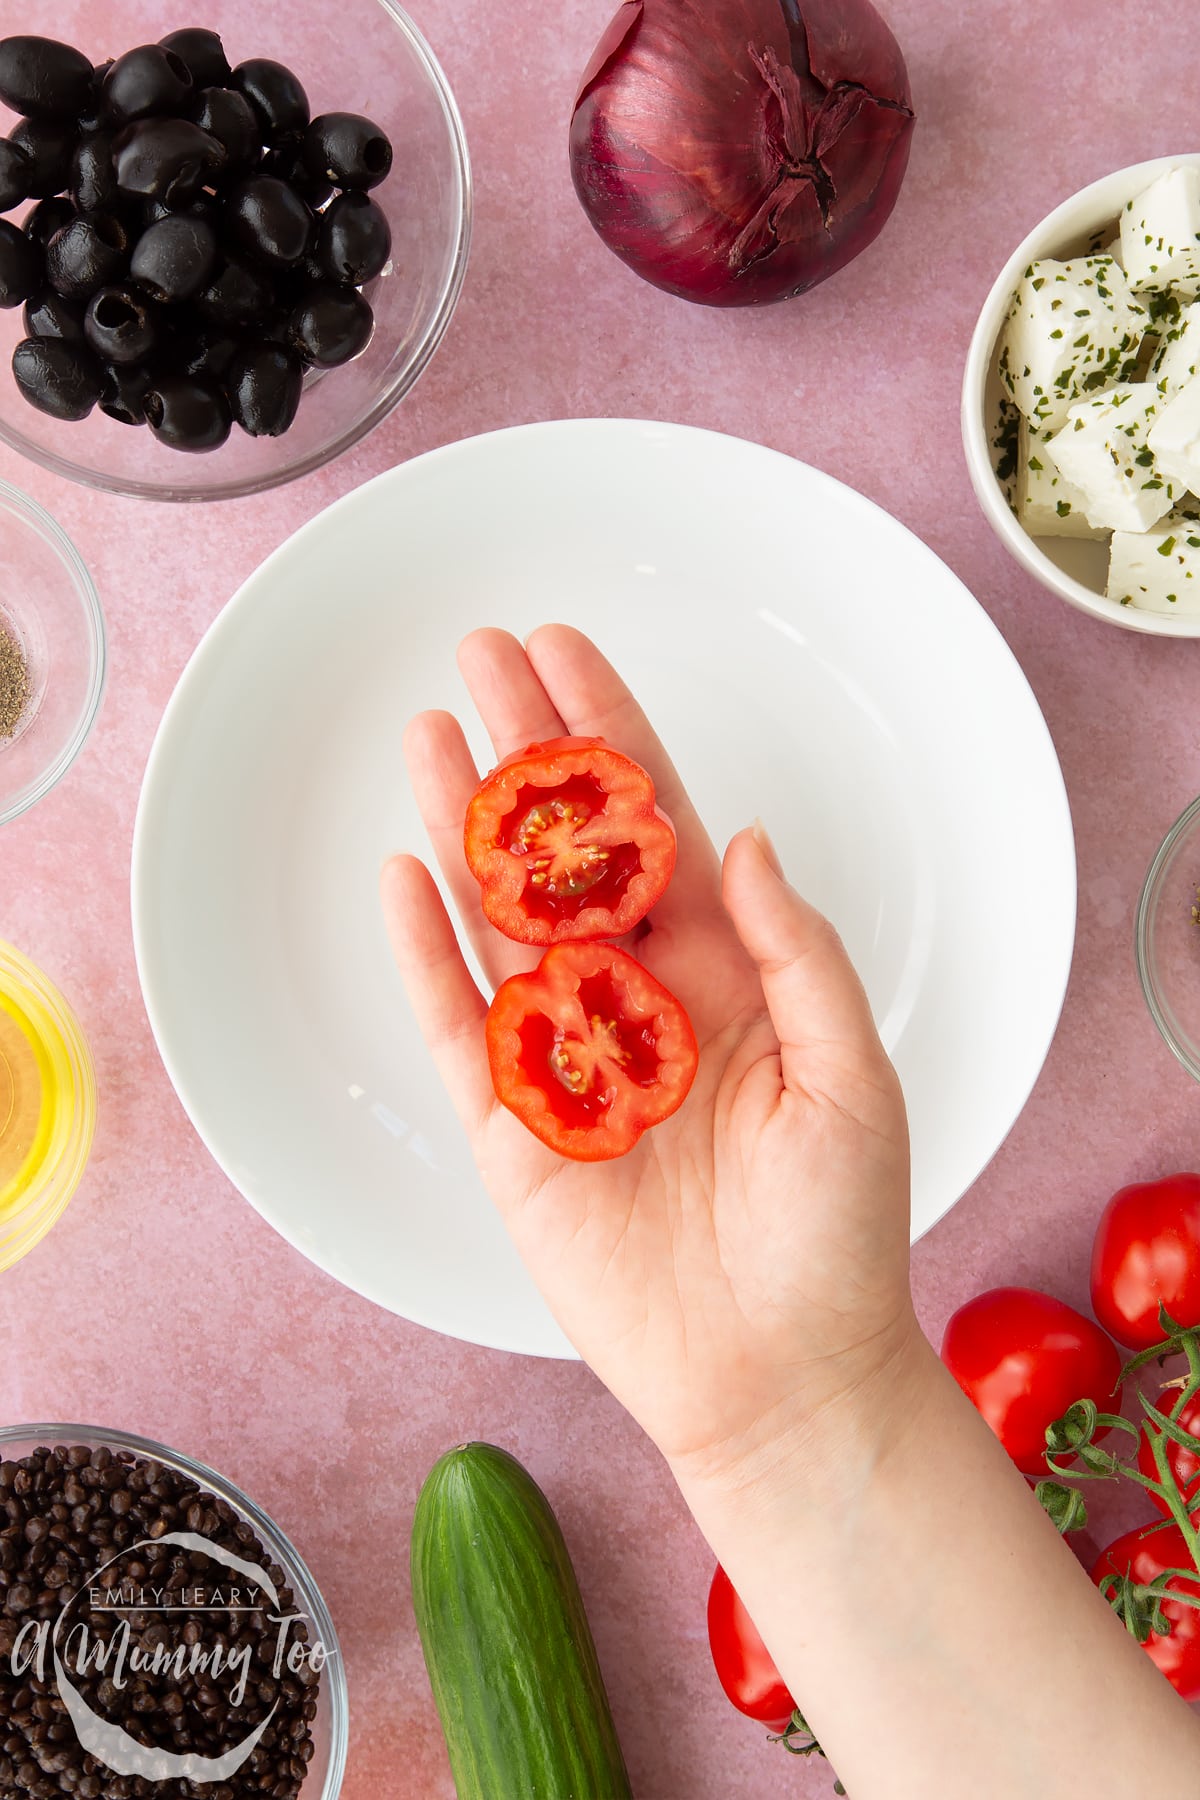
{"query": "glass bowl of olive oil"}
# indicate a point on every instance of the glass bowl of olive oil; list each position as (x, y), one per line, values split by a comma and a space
(47, 1104)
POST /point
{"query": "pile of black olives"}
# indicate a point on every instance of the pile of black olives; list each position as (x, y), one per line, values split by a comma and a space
(197, 242)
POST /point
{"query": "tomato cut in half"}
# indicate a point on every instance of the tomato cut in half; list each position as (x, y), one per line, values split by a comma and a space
(567, 843)
(589, 1051)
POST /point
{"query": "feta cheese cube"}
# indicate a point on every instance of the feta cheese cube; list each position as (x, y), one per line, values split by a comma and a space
(1174, 437)
(1160, 234)
(1103, 449)
(1071, 328)
(1177, 358)
(1157, 571)
(1046, 502)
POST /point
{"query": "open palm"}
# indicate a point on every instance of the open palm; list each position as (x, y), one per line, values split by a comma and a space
(748, 1257)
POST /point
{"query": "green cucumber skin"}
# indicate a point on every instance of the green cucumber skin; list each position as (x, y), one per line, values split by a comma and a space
(507, 1644)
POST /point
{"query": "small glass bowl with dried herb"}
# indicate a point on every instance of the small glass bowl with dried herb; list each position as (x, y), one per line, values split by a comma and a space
(1167, 938)
(51, 652)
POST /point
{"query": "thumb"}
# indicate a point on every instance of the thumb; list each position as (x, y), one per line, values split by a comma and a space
(816, 1000)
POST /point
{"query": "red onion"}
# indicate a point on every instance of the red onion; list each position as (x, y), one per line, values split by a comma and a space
(739, 151)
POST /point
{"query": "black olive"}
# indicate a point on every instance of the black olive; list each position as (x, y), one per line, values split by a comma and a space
(238, 296)
(330, 325)
(174, 259)
(263, 383)
(354, 239)
(123, 392)
(93, 117)
(166, 159)
(48, 315)
(49, 145)
(274, 93)
(229, 117)
(93, 181)
(269, 221)
(198, 347)
(146, 80)
(60, 379)
(187, 413)
(120, 325)
(16, 171)
(20, 265)
(202, 54)
(285, 159)
(204, 206)
(348, 150)
(47, 217)
(87, 254)
(43, 78)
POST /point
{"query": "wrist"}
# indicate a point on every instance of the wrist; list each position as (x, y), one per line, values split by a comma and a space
(822, 1453)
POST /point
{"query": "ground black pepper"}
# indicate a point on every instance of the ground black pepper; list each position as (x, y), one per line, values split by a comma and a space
(14, 683)
(64, 1512)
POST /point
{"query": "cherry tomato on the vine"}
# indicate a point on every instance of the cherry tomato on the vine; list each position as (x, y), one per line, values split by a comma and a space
(1146, 1253)
(1184, 1465)
(1177, 1653)
(1022, 1358)
(743, 1662)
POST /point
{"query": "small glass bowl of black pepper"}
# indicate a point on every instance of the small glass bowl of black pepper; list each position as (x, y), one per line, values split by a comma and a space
(159, 1635)
(52, 652)
(1167, 938)
(227, 255)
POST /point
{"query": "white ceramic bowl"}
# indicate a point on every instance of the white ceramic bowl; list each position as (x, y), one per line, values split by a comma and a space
(1073, 568)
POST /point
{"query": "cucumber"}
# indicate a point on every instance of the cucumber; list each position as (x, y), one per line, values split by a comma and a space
(507, 1643)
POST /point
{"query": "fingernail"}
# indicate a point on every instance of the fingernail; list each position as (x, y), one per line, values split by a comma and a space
(762, 839)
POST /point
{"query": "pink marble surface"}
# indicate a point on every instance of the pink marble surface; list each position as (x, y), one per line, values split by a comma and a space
(162, 1303)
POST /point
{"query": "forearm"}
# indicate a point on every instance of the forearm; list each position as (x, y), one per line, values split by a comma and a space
(938, 1635)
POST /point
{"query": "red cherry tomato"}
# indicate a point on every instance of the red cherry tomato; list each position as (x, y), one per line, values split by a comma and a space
(1144, 1558)
(742, 1661)
(1183, 1464)
(1022, 1358)
(589, 1050)
(567, 844)
(1147, 1251)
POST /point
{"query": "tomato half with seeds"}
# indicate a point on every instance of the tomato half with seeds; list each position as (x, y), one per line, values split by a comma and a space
(589, 1051)
(567, 842)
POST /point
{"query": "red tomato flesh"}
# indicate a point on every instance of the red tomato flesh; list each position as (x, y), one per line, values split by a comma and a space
(1183, 1465)
(1022, 1358)
(567, 843)
(743, 1663)
(1144, 1558)
(589, 1050)
(1146, 1252)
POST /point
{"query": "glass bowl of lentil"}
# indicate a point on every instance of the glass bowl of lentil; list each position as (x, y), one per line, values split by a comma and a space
(1167, 938)
(102, 1539)
(52, 652)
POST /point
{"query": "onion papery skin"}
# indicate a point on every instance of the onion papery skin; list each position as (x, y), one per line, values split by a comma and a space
(738, 152)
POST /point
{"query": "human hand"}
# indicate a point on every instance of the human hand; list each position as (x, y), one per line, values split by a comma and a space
(745, 1265)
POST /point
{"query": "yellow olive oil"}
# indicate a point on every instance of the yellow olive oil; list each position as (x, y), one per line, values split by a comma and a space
(33, 1064)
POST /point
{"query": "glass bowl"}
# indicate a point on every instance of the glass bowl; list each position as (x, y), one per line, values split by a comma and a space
(47, 1104)
(367, 56)
(49, 608)
(1168, 939)
(330, 1728)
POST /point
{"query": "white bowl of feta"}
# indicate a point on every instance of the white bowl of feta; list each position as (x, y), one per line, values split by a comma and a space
(1081, 399)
